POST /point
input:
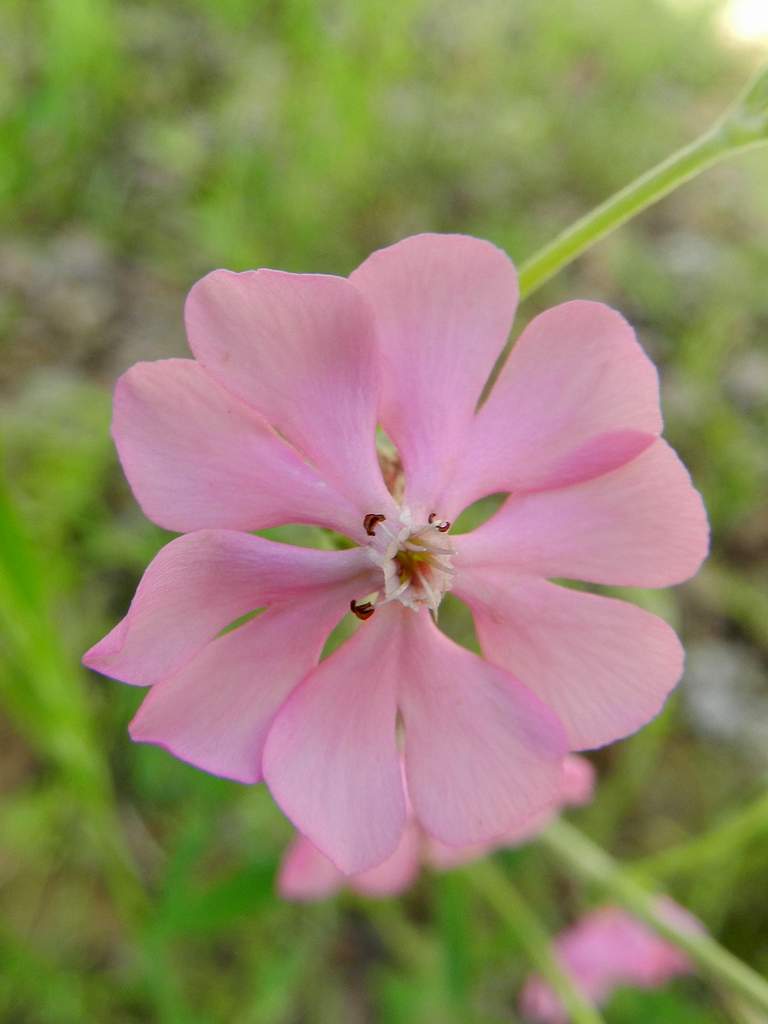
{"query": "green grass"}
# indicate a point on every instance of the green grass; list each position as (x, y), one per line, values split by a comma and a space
(142, 144)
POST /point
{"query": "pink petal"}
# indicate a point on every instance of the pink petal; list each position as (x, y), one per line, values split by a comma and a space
(575, 788)
(443, 857)
(196, 456)
(298, 348)
(577, 397)
(216, 711)
(444, 306)
(396, 873)
(642, 525)
(482, 753)
(306, 874)
(200, 583)
(331, 759)
(606, 950)
(578, 781)
(604, 666)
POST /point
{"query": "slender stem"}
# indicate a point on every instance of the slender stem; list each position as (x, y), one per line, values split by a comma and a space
(489, 880)
(593, 864)
(687, 162)
(744, 125)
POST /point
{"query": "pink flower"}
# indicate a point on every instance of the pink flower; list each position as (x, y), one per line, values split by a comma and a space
(608, 949)
(307, 874)
(274, 422)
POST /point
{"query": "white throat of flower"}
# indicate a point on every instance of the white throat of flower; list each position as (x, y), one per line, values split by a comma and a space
(415, 558)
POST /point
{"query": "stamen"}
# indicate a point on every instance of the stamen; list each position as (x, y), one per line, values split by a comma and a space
(443, 525)
(372, 520)
(362, 611)
(414, 560)
(433, 600)
(437, 564)
(401, 589)
(428, 547)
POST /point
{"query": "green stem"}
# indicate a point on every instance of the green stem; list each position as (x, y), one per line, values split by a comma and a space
(489, 880)
(742, 127)
(594, 865)
(621, 207)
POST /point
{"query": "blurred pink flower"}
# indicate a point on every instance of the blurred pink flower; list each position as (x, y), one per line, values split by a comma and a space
(274, 422)
(307, 874)
(606, 950)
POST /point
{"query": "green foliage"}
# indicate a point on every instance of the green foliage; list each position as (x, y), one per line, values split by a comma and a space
(143, 143)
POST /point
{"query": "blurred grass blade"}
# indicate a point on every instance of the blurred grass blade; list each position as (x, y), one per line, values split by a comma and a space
(46, 695)
(722, 843)
(488, 879)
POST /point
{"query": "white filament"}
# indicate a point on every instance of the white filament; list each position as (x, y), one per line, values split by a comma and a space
(415, 558)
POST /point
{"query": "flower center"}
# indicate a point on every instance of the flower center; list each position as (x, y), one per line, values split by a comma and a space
(415, 558)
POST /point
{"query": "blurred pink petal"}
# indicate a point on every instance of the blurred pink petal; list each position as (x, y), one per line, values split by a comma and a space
(199, 584)
(608, 949)
(578, 781)
(307, 874)
(300, 349)
(643, 525)
(578, 397)
(397, 872)
(196, 456)
(604, 666)
(444, 306)
(472, 733)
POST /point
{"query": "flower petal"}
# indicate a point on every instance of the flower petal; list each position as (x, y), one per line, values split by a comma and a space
(216, 711)
(482, 753)
(444, 305)
(642, 525)
(196, 456)
(331, 759)
(577, 397)
(576, 783)
(604, 666)
(397, 872)
(609, 949)
(306, 874)
(300, 349)
(200, 583)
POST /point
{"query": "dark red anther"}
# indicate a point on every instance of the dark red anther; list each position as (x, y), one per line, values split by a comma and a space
(362, 611)
(443, 527)
(371, 521)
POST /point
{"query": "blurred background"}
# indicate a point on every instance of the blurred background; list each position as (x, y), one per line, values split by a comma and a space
(144, 142)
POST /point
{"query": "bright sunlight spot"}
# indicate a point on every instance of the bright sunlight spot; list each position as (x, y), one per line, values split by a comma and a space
(746, 20)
